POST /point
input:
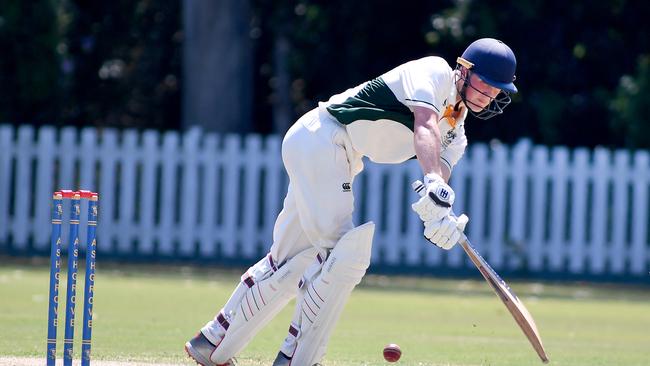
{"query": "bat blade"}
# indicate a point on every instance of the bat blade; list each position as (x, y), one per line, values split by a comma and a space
(503, 291)
(519, 312)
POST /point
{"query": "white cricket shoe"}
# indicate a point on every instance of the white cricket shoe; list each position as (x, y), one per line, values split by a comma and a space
(282, 360)
(200, 348)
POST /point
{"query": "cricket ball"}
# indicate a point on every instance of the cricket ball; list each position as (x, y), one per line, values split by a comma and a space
(392, 352)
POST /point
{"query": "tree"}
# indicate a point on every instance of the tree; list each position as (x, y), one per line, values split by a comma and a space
(570, 56)
(631, 107)
(29, 66)
(330, 46)
(217, 68)
(123, 63)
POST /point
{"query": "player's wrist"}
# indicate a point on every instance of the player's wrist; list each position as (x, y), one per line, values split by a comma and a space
(433, 178)
(439, 191)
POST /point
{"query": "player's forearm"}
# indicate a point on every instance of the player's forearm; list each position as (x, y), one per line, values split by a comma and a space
(427, 148)
(446, 173)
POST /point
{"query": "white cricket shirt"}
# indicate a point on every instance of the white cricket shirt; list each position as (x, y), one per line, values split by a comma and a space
(379, 118)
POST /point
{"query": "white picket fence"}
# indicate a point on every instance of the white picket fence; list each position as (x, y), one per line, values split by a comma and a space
(210, 197)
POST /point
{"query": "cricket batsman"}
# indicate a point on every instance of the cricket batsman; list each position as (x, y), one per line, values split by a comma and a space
(318, 254)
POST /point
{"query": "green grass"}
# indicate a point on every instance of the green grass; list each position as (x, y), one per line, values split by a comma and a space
(147, 313)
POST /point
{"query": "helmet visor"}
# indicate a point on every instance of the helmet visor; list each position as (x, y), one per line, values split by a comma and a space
(508, 87)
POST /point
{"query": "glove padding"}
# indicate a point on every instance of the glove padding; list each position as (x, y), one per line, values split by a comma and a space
(436, 201)
(445, 232)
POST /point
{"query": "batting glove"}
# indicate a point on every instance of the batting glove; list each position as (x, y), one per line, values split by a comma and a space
(445, 232)
(436, 202)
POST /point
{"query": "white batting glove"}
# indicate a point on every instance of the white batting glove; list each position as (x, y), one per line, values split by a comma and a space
(437, 200)
(445, 232)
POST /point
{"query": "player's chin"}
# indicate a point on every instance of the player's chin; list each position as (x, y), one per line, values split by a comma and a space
(476, 108)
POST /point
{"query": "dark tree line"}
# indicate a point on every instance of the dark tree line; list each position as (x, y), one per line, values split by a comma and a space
(113, 63)
(584, 67)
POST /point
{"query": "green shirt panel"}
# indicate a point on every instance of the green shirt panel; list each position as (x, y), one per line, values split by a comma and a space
(373, 102)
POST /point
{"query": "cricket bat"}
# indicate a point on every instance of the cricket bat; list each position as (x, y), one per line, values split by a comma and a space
(500, 287)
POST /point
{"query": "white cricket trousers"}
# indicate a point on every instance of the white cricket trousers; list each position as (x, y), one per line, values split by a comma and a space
(321, 163)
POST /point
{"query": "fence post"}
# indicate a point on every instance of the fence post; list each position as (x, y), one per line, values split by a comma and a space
(189, 191)
(23, 197)
(45, 157)
(130, 154)
(150, 161)
(620, 186)
(169, 191)
(478, 196)
(638, 254)
(557, 208)
(416, 246)
(67, 158)
(87, 174)
(252, 157)
(274, 188)
(108, 150)
(373, 204)
(539, 179)
(579, 173)
(519, 174)
(394, 207)
(231, 206)
(497, 214)
(599, 211)
(6, 157)
(210, 160)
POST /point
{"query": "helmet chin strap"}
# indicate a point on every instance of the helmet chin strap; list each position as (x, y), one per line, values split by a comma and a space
(463, 88)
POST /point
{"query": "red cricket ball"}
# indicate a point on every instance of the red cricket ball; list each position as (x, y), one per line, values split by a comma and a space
(392, 352)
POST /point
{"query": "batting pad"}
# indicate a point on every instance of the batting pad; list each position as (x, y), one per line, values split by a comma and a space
(323, 299)
(258, 298)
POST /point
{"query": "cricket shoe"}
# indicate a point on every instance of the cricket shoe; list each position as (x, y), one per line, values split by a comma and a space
(200, 348)
(283, 360)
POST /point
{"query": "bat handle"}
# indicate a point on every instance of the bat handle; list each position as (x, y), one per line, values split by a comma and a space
(462, 221)
(419, 188)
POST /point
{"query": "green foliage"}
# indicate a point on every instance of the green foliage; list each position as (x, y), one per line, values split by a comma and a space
(337, 44)
(29, 63)
(118, 63)
(74, 62)
(570, 56)
(631, 107)
(123, 63)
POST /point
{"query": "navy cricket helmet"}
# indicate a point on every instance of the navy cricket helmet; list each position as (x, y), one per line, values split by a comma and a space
(495, 63)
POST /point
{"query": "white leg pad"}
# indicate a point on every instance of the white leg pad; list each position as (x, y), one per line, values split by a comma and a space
(261, 294)
(323, 298)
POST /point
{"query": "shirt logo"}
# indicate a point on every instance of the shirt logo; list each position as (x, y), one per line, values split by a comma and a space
(346, 187)
(449, 137)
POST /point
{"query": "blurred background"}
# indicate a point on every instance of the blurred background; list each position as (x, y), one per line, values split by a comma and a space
(174, 110)
(256, 65)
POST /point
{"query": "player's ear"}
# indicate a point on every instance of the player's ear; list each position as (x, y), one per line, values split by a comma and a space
(465, 73)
